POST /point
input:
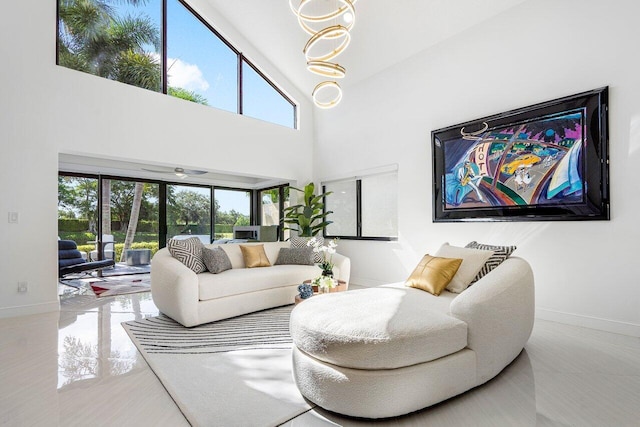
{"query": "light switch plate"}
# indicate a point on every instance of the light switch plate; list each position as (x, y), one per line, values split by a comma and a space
(14, 218)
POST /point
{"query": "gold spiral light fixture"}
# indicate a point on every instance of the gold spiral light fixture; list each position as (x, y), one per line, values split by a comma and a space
(324, 87)
(326, 69)
(344, 7)
(329, 38)
(333, 31)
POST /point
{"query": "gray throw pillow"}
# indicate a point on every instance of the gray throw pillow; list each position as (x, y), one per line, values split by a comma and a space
(216, 260)
(298, 256)
(188, 252)
(500, 253)
(301, 242)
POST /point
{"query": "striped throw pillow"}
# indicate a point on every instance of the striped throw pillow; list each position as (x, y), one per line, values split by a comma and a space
(188, 252)
(301, 242)
(500, 253)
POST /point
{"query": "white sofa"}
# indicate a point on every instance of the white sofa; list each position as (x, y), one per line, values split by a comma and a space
(387, 351)
(193, 299)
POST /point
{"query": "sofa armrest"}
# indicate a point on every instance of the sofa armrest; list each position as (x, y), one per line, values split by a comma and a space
(174, 288)
(499, 311)
(341, 267)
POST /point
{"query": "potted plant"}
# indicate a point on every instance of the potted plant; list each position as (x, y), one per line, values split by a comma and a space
(307, 218)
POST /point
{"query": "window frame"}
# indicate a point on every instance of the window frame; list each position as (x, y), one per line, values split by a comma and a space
(252, 196)
(244, 59)
(281, 199)
(240, 58)
(358, 201)
(162, 199)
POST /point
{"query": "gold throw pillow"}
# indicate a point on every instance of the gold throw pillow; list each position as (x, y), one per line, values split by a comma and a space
(433, 274)
(254, 256)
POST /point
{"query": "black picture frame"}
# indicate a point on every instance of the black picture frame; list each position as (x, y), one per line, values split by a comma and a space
(544, 162)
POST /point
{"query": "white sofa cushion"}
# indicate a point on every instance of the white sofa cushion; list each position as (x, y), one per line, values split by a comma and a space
(377, 328)
(245, 280)
(440, 303)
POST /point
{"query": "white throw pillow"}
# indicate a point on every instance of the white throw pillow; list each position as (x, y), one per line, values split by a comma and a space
(472, 262)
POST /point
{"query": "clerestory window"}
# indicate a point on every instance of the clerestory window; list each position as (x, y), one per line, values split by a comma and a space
(165, 46)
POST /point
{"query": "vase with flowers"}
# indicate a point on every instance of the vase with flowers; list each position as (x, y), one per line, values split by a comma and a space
(326, 251)
(324, 283)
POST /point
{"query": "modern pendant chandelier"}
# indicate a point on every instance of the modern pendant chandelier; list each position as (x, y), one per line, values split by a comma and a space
(329, 23)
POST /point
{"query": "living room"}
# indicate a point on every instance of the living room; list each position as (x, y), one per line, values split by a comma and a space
(526, 52)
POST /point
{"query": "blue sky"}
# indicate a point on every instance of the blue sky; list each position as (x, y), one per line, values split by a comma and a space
(228, 199)
(200, 62)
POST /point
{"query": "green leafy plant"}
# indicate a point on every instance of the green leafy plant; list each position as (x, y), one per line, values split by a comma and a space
(307, 218)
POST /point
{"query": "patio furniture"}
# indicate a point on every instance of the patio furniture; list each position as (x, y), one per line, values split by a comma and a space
(70, 260)
(137, 256)
(108, 248)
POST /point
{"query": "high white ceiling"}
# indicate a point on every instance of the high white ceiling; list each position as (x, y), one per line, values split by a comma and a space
(385, 32)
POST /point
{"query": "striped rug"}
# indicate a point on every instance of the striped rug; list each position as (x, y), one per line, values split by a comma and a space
(234, 372)
(268, 329)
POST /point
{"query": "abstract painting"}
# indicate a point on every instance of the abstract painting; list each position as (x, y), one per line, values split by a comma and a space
(547, 161)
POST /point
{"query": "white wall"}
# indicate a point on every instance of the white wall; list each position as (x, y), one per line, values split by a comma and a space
(46, 109)
(540, 50)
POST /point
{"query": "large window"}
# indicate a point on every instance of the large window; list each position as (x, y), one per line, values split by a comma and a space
(364, 207)
(233, 207)
(207, 75)
(342, 202)
(189, 212)
(273, 202)
(129, 217)
(118, 40)
(108, 216)
(78, 210)
(125, 40)
(91, 204)
(262, 100)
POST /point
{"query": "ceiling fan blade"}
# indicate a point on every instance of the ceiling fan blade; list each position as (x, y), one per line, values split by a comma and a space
(193, 172)
(180, 172)
(158, 171)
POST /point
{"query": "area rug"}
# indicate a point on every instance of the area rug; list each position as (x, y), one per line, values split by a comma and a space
(234, 372)
(111, 286)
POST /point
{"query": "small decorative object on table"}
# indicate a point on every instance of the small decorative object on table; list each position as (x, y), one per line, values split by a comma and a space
(306, 291)
(324, 283)
(327, 263)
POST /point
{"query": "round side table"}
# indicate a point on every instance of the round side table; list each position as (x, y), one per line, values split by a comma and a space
(340, 287)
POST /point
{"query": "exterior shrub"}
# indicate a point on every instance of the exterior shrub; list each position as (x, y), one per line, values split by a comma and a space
(68, 224)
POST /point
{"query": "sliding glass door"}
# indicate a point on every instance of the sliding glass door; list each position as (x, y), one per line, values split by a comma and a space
(78, 211)
(232, 208)
(129, 221)
(189, 212)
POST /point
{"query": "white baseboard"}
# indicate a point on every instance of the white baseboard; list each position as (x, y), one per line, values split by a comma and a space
(25, 310)
(607, 325)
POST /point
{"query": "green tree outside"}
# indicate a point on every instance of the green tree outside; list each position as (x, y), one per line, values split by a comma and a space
(95, 39)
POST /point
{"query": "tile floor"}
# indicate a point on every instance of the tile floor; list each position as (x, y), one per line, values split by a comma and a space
(79, 368)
